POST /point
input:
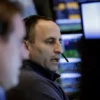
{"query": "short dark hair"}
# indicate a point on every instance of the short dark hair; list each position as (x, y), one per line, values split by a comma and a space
(7, 10)
(30, 23)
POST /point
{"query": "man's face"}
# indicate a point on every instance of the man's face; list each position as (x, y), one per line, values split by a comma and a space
(47, 47)
(11, 54)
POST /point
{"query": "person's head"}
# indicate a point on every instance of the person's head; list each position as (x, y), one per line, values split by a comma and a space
(11, 35)
(43, 41)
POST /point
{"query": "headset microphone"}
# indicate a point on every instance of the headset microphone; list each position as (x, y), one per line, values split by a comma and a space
(64, 57)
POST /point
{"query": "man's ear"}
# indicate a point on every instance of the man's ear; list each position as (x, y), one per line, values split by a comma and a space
(26, 44)
(26, 50)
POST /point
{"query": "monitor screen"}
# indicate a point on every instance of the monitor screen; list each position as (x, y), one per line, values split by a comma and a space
(70, 71)
(67, 15)
(91, 19)
(69, 45)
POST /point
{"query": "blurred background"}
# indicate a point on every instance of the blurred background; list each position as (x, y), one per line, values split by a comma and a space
(67, 14)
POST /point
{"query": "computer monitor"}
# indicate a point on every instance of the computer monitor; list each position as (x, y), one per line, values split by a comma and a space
(67, 15)
(70, 71)
(90, 51)
(90, 13)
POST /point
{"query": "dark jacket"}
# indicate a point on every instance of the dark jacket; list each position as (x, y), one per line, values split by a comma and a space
(36, 83)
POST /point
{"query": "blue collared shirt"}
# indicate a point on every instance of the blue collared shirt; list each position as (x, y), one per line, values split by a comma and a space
(2, 94)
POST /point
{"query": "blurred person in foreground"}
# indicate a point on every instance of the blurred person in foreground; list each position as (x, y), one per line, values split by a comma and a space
(12, 32)
(43, 41)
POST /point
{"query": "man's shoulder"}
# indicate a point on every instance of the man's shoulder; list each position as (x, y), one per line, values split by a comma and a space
(33, 79)
(27, 74)
(30, 77)
(31, 82)
(33, 87)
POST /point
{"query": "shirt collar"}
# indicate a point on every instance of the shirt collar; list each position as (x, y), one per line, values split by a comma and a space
(41, 70)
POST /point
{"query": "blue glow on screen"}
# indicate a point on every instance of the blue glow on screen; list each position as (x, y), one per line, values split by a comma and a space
(91, 19)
